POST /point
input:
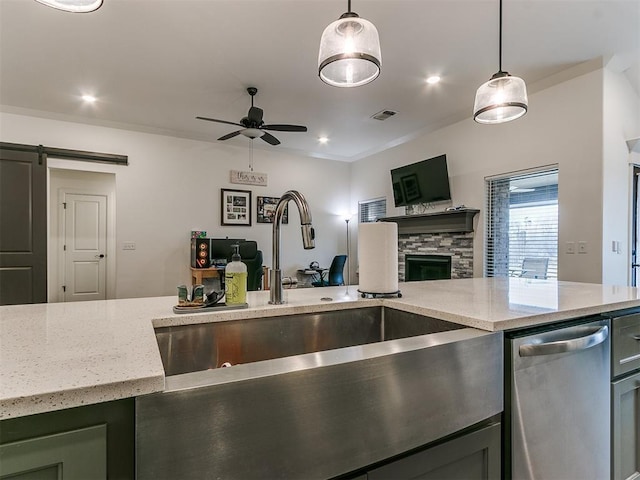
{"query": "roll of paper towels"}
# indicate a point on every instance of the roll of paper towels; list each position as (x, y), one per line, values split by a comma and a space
(378, 257)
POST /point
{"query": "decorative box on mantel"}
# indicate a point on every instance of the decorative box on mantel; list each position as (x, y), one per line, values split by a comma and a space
(438, 222)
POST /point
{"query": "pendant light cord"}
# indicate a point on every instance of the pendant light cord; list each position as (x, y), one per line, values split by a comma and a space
(251, 157)
(500, 40)
(348, 6)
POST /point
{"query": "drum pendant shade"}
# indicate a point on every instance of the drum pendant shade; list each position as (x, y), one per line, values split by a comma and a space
(349, 52)
(74, 6)
(503, 98)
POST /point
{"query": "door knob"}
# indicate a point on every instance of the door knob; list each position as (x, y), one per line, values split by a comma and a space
(100, 256)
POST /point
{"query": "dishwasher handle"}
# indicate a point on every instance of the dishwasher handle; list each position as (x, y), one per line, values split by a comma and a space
(564, 346)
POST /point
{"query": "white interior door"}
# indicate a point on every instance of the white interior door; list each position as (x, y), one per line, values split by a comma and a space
(85, 241)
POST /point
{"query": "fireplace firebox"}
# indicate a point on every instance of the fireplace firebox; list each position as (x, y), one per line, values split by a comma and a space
(427, 267)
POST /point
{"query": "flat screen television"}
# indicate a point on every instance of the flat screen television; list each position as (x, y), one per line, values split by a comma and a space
(421, 182)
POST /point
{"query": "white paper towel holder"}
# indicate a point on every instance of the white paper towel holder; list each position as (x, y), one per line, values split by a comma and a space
(397, 293)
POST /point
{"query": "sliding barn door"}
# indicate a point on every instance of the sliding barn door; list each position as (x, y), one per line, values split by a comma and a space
(23, 227)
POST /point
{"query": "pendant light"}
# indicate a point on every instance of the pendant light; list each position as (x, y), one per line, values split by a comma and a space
(503, 98)
(74, 6)
(349, 51)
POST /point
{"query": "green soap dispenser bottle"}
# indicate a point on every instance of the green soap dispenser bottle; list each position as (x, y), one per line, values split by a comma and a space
(235, 280)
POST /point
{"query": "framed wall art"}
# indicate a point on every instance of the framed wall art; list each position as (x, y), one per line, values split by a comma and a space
(266, 210)
(235, 207)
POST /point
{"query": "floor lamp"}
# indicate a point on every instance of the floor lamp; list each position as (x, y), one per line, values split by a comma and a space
(348, 255)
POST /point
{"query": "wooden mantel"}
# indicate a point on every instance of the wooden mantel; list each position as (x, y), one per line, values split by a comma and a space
(460, 221)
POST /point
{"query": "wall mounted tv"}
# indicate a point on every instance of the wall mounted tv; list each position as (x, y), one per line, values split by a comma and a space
(421, 182)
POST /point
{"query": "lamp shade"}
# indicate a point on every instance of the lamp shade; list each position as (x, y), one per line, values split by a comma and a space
(75, 6)
(349, 52)
(501, 99)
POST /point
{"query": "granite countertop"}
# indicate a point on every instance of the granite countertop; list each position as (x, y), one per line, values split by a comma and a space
(61, 355)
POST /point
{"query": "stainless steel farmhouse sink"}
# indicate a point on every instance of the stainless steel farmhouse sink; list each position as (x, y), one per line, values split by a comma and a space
(312, 395)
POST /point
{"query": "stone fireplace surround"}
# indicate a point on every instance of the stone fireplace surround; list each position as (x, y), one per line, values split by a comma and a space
(457, 245)
(441, 233)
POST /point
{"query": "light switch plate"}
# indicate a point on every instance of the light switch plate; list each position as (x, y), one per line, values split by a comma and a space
(570, 247)
(582, 247)
(129, 246)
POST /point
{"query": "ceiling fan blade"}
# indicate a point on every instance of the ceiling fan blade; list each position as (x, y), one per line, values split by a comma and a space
(285, 128)
(267, 137)
(230, 135)
(220, 121)
(255, 115)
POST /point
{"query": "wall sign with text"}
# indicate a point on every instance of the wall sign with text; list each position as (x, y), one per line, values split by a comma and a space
(248, 178)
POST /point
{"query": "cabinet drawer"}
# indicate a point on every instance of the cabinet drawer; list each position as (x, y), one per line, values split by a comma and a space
(625, 344)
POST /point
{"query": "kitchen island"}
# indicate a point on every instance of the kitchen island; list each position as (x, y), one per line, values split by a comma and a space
(60, 356)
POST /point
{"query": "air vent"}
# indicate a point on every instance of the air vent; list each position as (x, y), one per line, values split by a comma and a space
(383, 114)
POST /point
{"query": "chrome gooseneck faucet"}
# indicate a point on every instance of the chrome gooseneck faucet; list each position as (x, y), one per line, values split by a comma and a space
(308, 236)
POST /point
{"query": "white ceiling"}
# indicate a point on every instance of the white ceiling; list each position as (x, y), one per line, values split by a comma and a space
(156, 64)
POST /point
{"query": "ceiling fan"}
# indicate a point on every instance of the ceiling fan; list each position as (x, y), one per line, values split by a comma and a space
(254, 127)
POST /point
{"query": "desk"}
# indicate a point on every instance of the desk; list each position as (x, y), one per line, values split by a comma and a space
(307, 276)
(265, 277)
(197, 274)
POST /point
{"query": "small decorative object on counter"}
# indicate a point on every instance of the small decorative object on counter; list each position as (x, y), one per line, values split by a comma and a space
(183, 295)
(198, 294)
(235, 280)
(196, 298)
(198, 234)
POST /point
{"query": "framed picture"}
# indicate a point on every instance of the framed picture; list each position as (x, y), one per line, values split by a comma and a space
(266, 210)
(235, 207)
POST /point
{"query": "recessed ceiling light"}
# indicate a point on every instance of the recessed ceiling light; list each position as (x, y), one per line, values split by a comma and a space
(433, 79)
(323, 139)
(89, 98)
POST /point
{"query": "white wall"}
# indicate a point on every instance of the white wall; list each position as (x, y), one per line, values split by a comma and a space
(621, 113)
(563, 126)
(172, 186)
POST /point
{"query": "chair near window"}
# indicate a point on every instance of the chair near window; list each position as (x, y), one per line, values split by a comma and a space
(336, 276)
(533, 267)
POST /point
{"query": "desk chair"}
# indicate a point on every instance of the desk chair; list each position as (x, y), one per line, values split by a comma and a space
(335, 276)
(535, 267)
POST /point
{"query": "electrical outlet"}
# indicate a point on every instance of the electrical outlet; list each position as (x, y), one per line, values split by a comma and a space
(582, 247)
(570, 247)
(129, 246)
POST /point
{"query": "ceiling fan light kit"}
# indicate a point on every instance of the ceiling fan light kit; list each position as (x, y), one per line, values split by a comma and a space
(73, 6)
(503, 98)
(349, 53)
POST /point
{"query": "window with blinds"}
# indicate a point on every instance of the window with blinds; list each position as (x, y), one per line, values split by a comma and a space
(372, 210)
(522, 225)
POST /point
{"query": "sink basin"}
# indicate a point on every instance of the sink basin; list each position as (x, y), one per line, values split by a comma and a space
(192, 348)
(312, 396)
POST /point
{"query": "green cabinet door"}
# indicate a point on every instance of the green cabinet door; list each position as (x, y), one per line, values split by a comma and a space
(75, 455)
(472, 456)
(626, 428)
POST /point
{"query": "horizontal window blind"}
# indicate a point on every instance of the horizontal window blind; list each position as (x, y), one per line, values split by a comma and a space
(372, 210)
(522, 225)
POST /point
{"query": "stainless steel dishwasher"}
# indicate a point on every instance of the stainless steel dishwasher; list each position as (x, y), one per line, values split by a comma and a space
(558, 404)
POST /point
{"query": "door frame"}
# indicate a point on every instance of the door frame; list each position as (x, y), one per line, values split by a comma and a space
(76, 181)
(634, 257)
